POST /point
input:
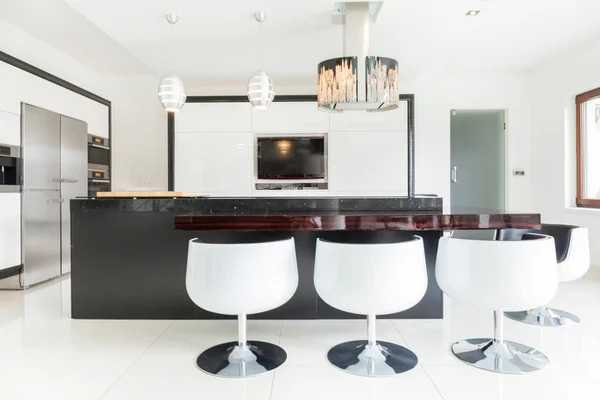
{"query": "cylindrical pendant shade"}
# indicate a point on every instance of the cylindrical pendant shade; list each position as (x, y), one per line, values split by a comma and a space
(171, 93)
(340, 84)
(260, 90)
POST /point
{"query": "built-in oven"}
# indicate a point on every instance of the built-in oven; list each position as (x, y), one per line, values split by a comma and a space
(98, 165)
(98, 181)
(10, 168)
(98, 152)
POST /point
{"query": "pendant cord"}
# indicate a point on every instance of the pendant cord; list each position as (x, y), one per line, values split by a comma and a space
(262, 50)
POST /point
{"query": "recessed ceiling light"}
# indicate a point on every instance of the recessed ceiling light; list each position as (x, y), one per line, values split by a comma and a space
(472, 13)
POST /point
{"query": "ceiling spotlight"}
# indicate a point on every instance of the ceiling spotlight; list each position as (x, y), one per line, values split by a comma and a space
(472, 13)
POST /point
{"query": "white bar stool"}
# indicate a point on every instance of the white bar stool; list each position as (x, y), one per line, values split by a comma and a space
(500, 276)
(371, 279)
(241, 279)
(573, 257)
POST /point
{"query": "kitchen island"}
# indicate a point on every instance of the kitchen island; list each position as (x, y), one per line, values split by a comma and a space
(129, 255)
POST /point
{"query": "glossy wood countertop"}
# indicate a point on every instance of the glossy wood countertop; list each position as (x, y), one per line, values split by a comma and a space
(353, 221)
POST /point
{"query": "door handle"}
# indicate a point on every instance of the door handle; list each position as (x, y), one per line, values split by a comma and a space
(55, 180)
(453, 178)
(54, 201)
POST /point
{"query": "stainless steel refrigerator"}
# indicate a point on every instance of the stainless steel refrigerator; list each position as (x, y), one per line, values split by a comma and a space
(54, 157)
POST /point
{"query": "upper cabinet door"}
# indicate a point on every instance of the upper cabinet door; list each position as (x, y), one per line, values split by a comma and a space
(213, 117)
(10, 128)
(284, 117)
(214, 163)
(373, 164)
(371, 121)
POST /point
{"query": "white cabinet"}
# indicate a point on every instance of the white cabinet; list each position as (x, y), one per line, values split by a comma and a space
(368, 163)
(371, 121)
(10, 230)
(10, 128)
(214, 163)
(20, 86)
(213, 117)
(301, 117)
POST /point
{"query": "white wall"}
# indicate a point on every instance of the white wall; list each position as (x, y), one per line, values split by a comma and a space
(437, 92)
(139, 134)
(554, 86)
(138, 121)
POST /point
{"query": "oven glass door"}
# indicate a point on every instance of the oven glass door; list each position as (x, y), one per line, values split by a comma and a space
(97, 185)
(98, 155)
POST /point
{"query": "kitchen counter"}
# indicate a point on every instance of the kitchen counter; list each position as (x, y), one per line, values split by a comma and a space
(419, 220)
(129, 255)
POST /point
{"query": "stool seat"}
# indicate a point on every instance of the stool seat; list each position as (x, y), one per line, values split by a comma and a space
(573, 258)
(371, 279)
(241, 279)
(498, 275)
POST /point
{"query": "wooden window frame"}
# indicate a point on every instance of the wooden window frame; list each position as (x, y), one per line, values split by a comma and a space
(579, 101)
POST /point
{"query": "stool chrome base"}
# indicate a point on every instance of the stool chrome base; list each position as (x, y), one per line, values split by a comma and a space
(505, 357)
(233, 361)
(382, 359)
(544, 316)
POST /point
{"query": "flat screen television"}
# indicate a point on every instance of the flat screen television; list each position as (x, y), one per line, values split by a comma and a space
(291, 158)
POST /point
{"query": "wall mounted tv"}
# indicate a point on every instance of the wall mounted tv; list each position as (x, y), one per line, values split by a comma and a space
(291, 158)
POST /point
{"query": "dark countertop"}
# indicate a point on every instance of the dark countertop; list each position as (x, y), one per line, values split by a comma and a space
(353, 221)
(256, 204)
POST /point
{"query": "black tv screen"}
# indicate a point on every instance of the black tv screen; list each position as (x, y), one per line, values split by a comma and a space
(291, 158)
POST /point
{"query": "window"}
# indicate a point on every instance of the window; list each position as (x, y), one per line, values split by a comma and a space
(588, 149)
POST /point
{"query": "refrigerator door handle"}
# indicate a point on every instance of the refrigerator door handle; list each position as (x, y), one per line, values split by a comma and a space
(64, 180)
(54, 201)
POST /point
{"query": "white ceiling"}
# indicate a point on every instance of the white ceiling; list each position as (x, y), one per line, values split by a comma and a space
(217, 41)
(56, 23)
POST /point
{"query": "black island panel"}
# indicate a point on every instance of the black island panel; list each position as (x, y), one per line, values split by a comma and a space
(128, 261)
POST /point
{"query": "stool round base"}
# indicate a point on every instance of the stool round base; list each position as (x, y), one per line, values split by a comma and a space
(383, 359)
(544, 316)
(229, 360)
(504, 357)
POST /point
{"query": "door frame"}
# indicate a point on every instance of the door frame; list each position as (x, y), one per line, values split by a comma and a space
(507, 173)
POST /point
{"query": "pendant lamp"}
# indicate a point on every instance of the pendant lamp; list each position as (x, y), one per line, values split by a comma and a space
(260, 86)
(358, 81)
(171, 91)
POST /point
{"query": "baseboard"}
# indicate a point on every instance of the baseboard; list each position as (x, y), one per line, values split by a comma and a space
(11, 271)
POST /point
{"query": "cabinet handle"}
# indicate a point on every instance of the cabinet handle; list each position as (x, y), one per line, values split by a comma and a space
(54, 201)
(453, 175)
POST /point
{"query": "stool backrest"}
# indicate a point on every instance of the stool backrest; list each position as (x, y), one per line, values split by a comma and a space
(498, 275)
(570, 241)
(246, 278)
(371, 278)
(574, 261)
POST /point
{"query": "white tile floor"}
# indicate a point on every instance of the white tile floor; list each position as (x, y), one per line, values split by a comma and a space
(46, 355)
